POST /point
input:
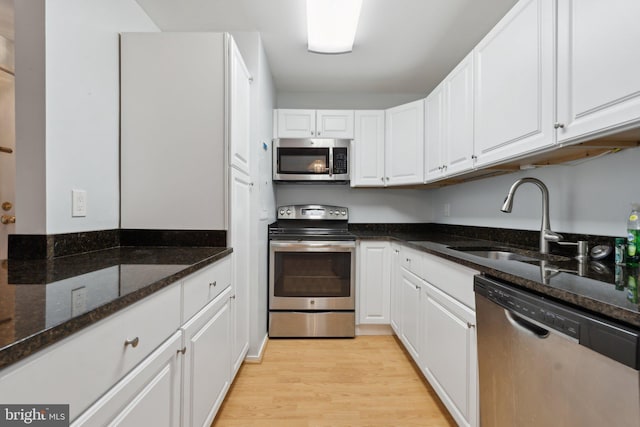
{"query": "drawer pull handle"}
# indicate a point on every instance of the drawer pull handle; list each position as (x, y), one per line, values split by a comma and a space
(470, 325)
(214, 283)
(233, 297)
(133, 343)
(183, 350)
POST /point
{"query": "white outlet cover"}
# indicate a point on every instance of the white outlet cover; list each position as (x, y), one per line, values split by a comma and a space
(78, 203)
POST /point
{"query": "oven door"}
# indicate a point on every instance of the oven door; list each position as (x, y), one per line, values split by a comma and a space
(314, 275)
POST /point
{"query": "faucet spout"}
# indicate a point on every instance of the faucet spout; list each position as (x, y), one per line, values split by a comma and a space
(546, 235)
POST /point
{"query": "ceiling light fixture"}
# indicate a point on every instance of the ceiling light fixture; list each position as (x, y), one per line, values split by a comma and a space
(332, 24)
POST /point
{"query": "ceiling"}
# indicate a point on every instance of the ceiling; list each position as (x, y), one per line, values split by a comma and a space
(402, 46)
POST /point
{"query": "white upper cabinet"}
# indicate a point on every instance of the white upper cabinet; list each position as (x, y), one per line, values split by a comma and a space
(449, 124)
(367, 151)
(404, 144)
(598, 67)
(239, 107)
(514, 83)
(315, 123)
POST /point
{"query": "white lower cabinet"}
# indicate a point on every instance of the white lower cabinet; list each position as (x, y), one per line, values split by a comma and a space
(448, 355)
(410, 312)
(374, 282)
(395, 282)
(148, 395)
(207, 361)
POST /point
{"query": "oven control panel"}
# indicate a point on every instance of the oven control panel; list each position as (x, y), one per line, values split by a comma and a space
(313, 212)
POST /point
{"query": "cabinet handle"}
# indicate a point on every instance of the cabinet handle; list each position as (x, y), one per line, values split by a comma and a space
(382, 178)
(387, 178)
(470, 325)
(133, 343)
(474, 157)
(417, 287)
(318, 133)
(311, 133)
(233, 297)
(183, 350)
(558, 125)
(214, 283)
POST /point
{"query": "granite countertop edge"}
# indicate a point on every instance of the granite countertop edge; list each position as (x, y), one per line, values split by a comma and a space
(20, 349)
(493, 269)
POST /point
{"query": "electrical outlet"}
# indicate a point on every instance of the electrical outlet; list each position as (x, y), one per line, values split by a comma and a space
(78, 301)
(447, 209)
(78, 203)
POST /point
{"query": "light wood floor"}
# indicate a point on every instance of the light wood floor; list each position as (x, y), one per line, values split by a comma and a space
(366, 381)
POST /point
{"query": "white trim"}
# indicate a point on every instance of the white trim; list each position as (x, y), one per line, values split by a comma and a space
(374, 330)
(258, 358)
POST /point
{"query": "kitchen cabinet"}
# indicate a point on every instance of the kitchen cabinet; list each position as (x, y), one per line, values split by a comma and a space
(449, 124)
(367, 150)
(395, 308)
(598, 68)
(404, 144)
(239, 238)
(449, 354)
(514, 84)
(374, 282)
(239, 85)
(149, 395)
(174, 130)
(410, 312)
(293, 123)
(207, 361)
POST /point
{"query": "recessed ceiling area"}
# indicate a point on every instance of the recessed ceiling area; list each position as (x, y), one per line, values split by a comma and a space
(402, 46)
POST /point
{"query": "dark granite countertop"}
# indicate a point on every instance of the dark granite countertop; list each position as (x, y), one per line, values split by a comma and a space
(599, 287)
(43, 301)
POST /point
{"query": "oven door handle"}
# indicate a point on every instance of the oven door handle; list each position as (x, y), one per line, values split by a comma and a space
(307, 245)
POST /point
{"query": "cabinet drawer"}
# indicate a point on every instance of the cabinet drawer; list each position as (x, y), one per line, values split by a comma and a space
(451, 278)
(411, 260)
(82, 367)
(203, 286)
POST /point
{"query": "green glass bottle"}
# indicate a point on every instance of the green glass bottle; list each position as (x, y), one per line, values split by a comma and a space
(633, 235)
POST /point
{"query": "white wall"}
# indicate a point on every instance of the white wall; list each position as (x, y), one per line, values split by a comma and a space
(365, 205)
(589, 197)
(69, 123)
(344, 100)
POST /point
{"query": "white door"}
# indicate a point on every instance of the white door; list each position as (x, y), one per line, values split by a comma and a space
(434, 127)
(410, 312)
(367, 153)
(598, 66)
(458, 89)
(514, 83)
(240, 241)
(296, 123)
(404, 144)
(7, 158)
(396, 282)
(207, 367)
(240, 106)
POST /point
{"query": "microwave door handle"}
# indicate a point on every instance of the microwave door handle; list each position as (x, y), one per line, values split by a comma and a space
(330, 161)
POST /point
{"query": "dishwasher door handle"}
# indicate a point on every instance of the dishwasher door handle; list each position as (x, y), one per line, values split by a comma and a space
(523, 324)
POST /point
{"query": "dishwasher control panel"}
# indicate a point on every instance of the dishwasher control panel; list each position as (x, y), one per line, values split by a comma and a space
(536, 310)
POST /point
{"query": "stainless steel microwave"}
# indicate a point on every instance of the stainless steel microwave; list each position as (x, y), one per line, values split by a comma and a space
(311, 159)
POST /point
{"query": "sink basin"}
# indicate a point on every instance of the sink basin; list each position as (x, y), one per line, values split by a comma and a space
(497, 253)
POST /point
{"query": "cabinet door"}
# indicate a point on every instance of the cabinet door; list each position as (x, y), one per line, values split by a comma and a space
(514, 84)
(296, 123)
(207, 367)
(334, 124)
(449, 357)
(172, 152)
(434, 128)
(410, 313)
(458, 142)
(239, 239)
(404, 144)
(374, 282)
(598, 67)
(239, 109)
(148, 395)
(395, 309)
(367, 153)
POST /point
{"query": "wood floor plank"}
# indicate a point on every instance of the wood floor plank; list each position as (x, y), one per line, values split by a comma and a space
(367, 381)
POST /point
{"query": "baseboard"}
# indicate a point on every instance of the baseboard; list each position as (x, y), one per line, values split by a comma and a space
(258, 357)
(374, 330)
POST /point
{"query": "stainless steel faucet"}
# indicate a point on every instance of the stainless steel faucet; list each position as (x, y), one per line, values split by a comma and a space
(546, 235)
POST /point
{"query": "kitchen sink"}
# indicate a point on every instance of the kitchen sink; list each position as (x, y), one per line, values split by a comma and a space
(497, 253)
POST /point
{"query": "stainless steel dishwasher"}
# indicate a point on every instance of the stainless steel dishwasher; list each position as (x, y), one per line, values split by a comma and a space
(542, 363)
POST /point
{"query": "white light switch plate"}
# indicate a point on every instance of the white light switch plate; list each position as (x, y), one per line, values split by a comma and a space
(78, 203)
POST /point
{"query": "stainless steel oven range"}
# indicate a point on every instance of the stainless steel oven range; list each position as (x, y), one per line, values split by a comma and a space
(311, 273)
